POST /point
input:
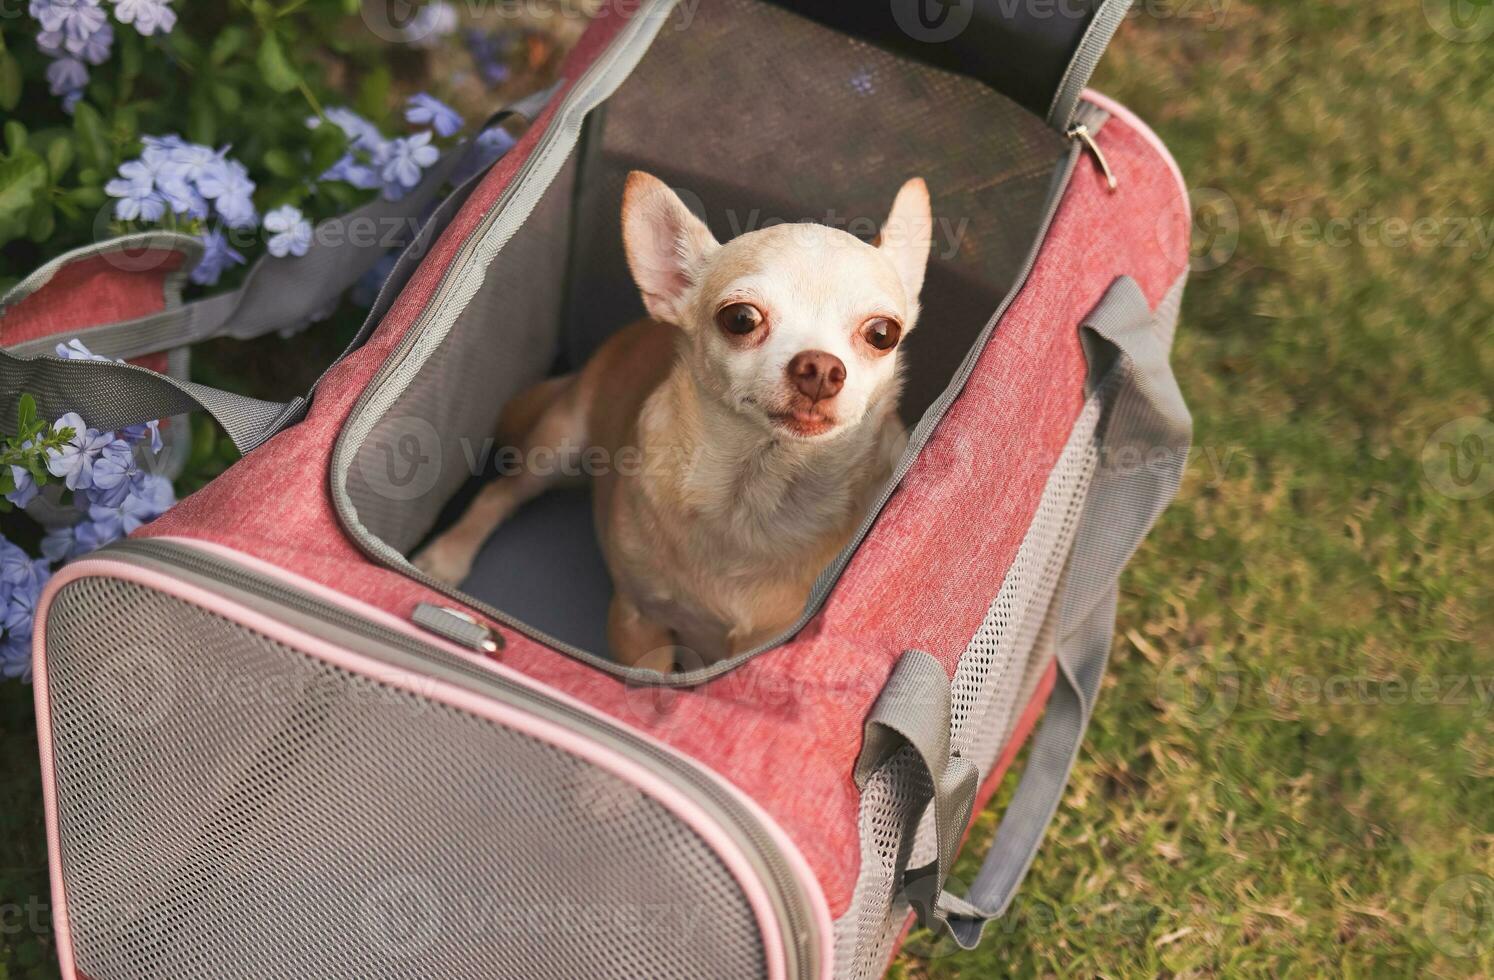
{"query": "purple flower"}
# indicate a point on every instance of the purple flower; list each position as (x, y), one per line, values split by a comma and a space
(226, 183)
(217, 256)
(20, 612)
(431, 23)
(67, 75)
(15, 658)
(74, 461)
(148, 16)
(150, 496)
(138, 433)
(26, 488)
(136, 189)
(365, 143)
(485, 150)
(74, 350)
(113, 470)
(290, 232)
(489, 51)
(404, 161)
(21, 582)
(427, 110)
(74, 19)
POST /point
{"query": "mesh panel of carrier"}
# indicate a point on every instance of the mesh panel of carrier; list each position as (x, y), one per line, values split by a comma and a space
(231, 807)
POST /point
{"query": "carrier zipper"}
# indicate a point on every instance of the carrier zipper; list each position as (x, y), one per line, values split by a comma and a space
(1081, 132)
(801, 950)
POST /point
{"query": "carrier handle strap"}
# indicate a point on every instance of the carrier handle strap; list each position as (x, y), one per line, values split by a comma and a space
(914, 711)
(1146, 431)
(278, 293)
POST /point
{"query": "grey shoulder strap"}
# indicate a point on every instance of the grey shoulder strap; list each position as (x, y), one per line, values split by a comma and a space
(1145, 434)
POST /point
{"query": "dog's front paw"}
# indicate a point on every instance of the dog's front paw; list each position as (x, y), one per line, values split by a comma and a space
(445, 561)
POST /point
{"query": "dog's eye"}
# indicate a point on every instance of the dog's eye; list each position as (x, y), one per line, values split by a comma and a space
(881, 332)
(739, 318)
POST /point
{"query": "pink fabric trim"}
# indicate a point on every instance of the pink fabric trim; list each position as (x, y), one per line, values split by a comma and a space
(647, 782)
(42, 697)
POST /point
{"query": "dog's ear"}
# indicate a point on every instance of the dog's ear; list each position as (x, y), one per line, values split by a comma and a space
(665, 245)
(908, 234)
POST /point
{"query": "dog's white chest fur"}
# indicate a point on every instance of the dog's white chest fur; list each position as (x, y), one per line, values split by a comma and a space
(720, 540)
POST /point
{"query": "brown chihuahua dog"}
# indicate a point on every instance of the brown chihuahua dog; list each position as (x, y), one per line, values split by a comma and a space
(758, 408)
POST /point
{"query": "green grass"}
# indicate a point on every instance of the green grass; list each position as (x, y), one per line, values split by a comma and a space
(1289, 772)
(1266, 790)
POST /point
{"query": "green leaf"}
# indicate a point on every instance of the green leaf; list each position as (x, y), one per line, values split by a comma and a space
(21, 176)
(59, 155)
(25, 411)
(94, 151)
(203, 118)
(373, 93)
(227, 97)
(10, 81)
(42, 222)
(86, 197)
(275, 67)
(280, 163)
(15, 136)
(230, 41)
(131, 56)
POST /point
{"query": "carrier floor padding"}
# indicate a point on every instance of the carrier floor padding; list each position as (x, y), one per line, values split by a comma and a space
(543, 567)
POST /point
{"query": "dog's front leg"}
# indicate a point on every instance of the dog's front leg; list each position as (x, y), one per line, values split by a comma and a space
(636, 640)
(560, 431)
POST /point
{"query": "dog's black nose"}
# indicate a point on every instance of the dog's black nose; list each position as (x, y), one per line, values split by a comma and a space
(817, 374)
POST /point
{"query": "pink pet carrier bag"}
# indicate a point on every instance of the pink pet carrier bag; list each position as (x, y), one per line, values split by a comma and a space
(272, 748)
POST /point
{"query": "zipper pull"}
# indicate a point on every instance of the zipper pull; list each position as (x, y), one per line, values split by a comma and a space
(457, 626)
(1081, 133)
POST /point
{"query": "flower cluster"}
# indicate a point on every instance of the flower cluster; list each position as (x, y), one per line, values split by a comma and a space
(393, 166)
(21, 582)
(76, 34)
(110, 492)
(187, 179)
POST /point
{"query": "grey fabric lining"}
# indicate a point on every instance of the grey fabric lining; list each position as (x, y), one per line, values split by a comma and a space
(503, 339)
